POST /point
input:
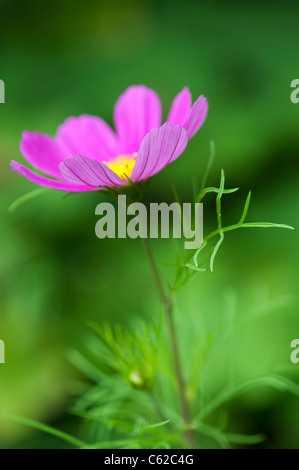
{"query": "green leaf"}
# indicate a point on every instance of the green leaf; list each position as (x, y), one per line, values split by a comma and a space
(246, 207)
(175, 194)
(209, 164)
(267, 225)
(114, 444)
(135, 185)
(229, 228)
(245, 439)
(26, 197)
(275, 381)
(195, 268)
(47, 429)
(215, 251)
(213, 189)
(198, 251)
(218, 200)
(215, 434)
(152, 427)
(222, 182)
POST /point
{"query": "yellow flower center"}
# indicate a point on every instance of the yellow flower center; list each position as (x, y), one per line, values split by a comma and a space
(122, 165)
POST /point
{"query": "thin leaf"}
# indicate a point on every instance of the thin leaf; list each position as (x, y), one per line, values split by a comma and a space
(245, 439)
(267, 225)
(222, 182)
(197, 253)
(229, 228)
(175, 194)
(275, 381)
(209, 164)
(215, 251)
(113, 444)
(213, 189)
(45, 428)
(195, 268)
(153, 426)
(245, 210)
(27, 197)
(218, 200)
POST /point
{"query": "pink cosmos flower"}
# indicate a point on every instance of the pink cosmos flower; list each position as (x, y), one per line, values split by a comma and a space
(87, 154)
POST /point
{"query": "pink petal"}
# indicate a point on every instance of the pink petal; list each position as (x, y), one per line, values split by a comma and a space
(137, 112)
(160, 147)
(91, 172)
(89, 136)
(47, 182)
(180, 108)
(42, 152)
(197, 116)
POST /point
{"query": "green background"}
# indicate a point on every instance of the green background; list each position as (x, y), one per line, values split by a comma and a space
(65, 58)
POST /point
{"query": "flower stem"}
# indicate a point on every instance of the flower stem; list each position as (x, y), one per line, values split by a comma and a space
(167, 303)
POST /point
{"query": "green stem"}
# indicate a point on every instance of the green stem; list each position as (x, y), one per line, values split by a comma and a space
(167, 303)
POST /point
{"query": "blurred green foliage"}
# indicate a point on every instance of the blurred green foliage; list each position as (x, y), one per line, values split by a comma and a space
(67, 58)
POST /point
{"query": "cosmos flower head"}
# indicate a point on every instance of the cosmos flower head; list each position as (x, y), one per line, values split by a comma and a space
(87, 155)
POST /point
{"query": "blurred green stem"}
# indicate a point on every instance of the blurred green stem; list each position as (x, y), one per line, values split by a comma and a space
(167, 302)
